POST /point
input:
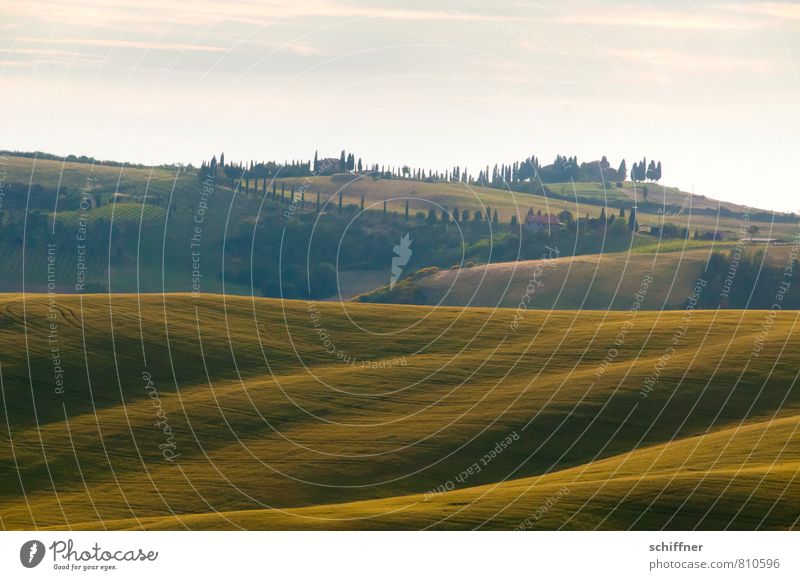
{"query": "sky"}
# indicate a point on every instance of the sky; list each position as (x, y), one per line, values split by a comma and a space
(709, 88)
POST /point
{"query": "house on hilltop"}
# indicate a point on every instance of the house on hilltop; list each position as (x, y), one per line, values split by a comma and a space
(327, 166)
(540, 221)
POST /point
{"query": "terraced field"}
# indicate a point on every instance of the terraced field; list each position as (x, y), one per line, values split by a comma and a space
(225, 412)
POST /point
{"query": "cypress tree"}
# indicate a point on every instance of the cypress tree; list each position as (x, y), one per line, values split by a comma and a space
(406, 212)
(632, 225)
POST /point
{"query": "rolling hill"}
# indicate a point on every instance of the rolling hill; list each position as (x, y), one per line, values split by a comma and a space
(211, 412)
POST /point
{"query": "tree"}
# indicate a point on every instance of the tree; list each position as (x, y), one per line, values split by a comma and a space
(658, 172)
(316, 161)
(622, 172)
(340, 201)
(494, 218)
(406, 212)
(362, 202)
(622, 212)
(514, 220)
(323, 280)
(456, 214)
(651, 171)
(445, 216)
(632, 224)
(342, 161)
(465, 215)
(431, 216)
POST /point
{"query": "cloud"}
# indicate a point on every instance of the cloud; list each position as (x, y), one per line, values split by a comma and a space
(120, 43)
(634, 16)
(780, 10)
(301, 49)
(688, 61)
(126, 12)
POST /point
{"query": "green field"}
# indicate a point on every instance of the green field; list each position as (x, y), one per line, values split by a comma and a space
(269, 429)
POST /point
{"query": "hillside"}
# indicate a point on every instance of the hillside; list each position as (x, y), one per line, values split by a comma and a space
(595, 281)
(140, 228)
(217, 412)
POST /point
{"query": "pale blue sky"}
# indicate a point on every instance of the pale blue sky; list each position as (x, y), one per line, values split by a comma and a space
(709, 88)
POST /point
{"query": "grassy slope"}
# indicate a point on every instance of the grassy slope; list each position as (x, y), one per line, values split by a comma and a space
(257, 429)
(597, 281)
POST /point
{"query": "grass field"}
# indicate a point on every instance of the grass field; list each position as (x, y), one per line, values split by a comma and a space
(119, 213)
(595, 281)
(226, 412)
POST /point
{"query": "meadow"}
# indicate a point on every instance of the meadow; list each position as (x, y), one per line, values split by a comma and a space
(223, 412)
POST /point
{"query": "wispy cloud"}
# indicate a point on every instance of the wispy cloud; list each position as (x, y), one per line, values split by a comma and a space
(780, 10)
(121, 43)
(635, 16)
(103, 13)
(683, 61)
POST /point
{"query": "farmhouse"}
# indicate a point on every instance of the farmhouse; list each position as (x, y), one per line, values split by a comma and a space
(540, 221)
